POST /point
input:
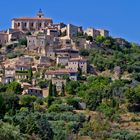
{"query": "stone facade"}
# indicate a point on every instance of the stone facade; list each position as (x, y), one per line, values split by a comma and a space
(72, 74)
(52, 32)
(62, 60)
(15, 34)
(22, 71)
(4, 38)
(91, 32)
(59, 83)
(96, 32)
(103, 32)
(38, 43)
(31, 24)
(65, 52)
(78, 63)
(9, 74)
(71, 30)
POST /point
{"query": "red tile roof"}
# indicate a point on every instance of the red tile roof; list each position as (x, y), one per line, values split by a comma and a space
(61, 71)
(77, 59)
(31, 18)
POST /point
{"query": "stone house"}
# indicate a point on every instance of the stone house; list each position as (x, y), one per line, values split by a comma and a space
(61, 73)
(4, 38)
(96, 32)
(52, 32)
(25, 60)
(22, 71)
(9, 74)
(92, 32)
(78, 63)
(71, 30)
(103, 32)
(15, 34)
(38, 43)
(35, 91)
(44, 60)
(59, 83)
(62, 60)
(64, 52)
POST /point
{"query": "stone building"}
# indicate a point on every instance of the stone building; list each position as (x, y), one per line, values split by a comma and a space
(96, 32)
(22, 71)
(15, 34)
(59, 83)
(10, 35)
(103, 32)
(64, 52)
(62, 60)
(71, 30)
(71, 74)
(4, 38)
(38, 92)
(78, 63)
(91, 32)
(32, 23)
(38, 43)
(9, 74)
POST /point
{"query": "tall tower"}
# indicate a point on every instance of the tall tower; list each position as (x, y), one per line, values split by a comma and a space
(40, 14)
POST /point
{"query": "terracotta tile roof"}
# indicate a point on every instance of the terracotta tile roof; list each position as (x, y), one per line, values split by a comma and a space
(34, 88)
(2, 33)
(63, 56)
(61, 71)
(31, 18)
(77, 59)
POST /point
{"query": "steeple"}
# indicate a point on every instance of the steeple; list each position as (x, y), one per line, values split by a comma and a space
(40, 14)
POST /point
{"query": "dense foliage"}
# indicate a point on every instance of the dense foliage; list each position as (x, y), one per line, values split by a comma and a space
(97, 106)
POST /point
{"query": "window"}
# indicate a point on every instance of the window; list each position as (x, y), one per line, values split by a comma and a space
(25, 24)
(32, 24)
(40, 24)
(18, 24)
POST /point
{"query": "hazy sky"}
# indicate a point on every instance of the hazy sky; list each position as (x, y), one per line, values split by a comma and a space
(121, 17)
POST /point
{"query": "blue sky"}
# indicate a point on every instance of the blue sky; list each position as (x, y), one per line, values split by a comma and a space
(121, 17)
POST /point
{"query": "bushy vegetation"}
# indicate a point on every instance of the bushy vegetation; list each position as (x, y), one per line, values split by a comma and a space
(94, 106)
(12, 55)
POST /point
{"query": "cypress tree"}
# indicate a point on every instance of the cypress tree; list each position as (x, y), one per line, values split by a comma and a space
(54, 92)
(50, 88)
(30, 73)
(63, 90)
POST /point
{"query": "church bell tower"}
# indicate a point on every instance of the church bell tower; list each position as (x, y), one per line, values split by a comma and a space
(40, 14)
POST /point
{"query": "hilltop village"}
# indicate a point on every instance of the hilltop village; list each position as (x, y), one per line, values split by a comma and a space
(49, 50)
(63, 82)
